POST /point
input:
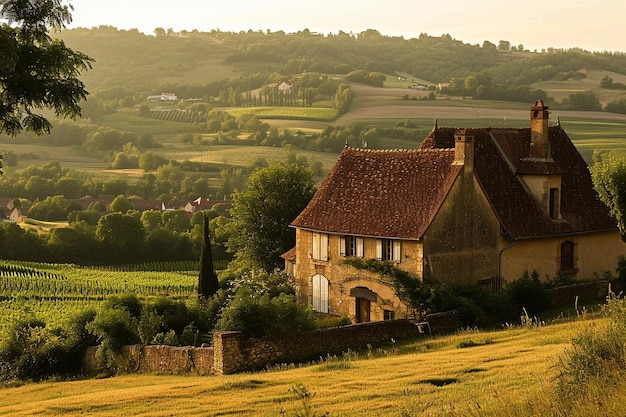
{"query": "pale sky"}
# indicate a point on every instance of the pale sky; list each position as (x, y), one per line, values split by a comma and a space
(592, 25)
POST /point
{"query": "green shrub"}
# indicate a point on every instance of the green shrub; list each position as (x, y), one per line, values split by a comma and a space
(115, 326)
(528, 292)
(128, 302)
(261, 315)
(168, 338)
(31, 351)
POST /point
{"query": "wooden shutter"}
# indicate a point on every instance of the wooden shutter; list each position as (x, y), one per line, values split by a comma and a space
(315, 251)
(379, 249)
(342, 246)
(323, 247)
(320, 293)
(397, 250)
(359, 247)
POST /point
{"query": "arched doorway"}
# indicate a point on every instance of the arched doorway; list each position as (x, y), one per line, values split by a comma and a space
(364, 297)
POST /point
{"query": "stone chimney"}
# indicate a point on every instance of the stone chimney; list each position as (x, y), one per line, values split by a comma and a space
(539, 142)
(464, 149)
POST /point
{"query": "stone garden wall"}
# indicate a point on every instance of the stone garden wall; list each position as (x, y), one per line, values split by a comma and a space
(232, 353)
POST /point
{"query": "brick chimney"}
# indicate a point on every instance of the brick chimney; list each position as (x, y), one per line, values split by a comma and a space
(463, 149)
(539, 142)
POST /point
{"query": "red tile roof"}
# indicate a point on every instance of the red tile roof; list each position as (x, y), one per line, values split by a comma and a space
(290, 255)
(397, 193)
(500, 154)
(390, 193)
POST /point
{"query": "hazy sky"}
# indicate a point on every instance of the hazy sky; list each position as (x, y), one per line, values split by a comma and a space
(593, 25)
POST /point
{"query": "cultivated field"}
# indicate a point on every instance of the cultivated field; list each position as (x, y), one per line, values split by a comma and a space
(504, 373)
(53, 292)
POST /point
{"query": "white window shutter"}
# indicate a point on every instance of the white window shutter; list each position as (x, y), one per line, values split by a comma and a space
(320, 293)
(397, 250)
(323, 295)
(359, 247)
(316, 246)
(316, 302)
(379, 249)
(323, 247)
(342, 246)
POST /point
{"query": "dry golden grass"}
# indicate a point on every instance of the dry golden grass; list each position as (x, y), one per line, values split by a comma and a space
(431, 377)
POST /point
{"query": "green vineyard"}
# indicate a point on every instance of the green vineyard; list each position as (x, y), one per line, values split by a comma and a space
(55, 291)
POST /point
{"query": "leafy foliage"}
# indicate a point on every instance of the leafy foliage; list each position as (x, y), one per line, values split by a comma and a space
(262, 313)
(261, 213)
(408, 287)
(609, 179)
(37, 71)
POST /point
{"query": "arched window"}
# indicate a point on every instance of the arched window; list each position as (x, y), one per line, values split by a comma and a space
(320, 293)
(567, 256)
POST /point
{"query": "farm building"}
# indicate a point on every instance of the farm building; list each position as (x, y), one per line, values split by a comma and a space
(480, 205)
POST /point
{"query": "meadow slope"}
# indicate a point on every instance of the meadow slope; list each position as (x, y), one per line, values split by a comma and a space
(472, 373)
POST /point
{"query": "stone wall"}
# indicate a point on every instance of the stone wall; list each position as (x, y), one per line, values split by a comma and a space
(156, 358)
(238, 354)
(594, 291)
(232, 353)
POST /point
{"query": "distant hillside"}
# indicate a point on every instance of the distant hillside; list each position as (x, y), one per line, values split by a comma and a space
(132, 64)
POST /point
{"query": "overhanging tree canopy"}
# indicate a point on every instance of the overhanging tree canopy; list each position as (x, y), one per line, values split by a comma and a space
(36, 71)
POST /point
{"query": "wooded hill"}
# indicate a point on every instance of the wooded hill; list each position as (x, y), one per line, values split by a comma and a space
(131, 65)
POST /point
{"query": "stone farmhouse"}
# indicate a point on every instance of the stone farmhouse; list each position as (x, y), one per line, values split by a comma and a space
(480, 205)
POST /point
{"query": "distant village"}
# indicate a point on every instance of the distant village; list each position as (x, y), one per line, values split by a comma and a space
(17, 214)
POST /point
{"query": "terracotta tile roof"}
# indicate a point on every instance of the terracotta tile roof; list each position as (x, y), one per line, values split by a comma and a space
(290, 255)
(396, 193)
(499, 155)
(388, 193)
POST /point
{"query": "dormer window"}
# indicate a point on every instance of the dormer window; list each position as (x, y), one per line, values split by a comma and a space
(553, 204)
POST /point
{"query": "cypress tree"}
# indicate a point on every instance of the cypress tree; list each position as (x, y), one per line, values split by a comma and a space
(207, 278)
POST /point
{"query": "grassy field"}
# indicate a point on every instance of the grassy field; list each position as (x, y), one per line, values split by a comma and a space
(468, 374)
(289, 113)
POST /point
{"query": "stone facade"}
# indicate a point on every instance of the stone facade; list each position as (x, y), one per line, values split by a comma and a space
(341, 292)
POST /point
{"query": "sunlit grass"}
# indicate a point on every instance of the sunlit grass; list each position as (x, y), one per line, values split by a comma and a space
(429, 377)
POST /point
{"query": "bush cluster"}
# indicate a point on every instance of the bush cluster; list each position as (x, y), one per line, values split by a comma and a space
(257, 304)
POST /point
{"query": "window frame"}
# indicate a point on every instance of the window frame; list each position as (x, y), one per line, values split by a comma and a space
(350, 245)
(389, 250)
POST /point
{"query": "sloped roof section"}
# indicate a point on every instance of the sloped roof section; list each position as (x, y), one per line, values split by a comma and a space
(500, 154)
(386, 193)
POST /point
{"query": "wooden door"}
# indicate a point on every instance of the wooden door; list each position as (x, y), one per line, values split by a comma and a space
(362, 310)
